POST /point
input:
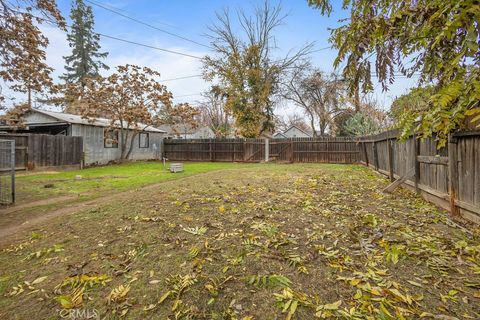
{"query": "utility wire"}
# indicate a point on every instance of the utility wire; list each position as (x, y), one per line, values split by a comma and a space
(119, 39)
(146, 24)
(181, 78)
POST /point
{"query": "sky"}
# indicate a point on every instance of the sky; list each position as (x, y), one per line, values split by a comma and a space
(190, 19)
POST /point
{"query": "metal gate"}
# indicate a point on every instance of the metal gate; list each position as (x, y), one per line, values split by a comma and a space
(7, 172)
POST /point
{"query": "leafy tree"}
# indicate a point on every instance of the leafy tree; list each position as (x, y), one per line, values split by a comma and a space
(130, 98)
(85, 58)
(245, 67)
(22, 45)
(408, 105)
(360, 124)
(436, 38)
(320, 96)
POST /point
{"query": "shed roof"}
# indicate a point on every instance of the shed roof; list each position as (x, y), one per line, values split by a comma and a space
(99, 122)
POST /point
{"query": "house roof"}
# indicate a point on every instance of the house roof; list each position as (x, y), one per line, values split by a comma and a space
(99, 122)
(182, 129)
(308, 133)
(279, 135)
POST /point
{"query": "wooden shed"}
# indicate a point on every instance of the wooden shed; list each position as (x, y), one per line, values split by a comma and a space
(100, 146)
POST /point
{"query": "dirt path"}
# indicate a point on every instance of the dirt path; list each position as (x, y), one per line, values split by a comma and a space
(9, 230)
(43, 202)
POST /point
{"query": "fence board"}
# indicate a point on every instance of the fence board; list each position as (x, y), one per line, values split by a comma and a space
(37, 151)
(324, 150)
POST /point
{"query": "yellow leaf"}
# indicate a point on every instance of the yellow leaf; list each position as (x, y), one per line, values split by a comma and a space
(333, 306)
(39, 280)
(165, 296)
(221, 209)
(149, 307)
(375, 291)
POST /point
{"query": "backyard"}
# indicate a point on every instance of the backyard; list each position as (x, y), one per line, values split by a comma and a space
(233, 241)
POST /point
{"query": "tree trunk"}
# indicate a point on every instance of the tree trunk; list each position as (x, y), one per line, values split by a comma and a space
(131, 145)
(29, 97)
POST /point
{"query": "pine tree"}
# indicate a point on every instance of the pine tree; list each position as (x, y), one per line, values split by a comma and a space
(84, 61)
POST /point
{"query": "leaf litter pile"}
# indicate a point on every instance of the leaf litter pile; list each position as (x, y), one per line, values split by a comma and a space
(275, 242)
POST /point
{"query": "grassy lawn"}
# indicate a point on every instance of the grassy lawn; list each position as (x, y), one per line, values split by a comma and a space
(97, 181)
(257, 242)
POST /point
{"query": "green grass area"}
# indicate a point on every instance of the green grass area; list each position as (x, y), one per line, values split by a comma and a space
(96, 181)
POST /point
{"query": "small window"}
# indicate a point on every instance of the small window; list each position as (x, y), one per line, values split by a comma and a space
(110, 139)
(143, 140)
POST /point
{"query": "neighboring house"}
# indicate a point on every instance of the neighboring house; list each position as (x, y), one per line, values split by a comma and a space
(100, 146)
(188, 132)
(293, 132)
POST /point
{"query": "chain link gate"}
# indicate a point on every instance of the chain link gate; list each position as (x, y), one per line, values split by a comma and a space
(7, 172)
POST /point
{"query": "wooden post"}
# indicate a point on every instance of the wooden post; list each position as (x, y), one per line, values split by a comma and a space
(365, 153)
(234, 148)
(453, 175)
(214, 150)
(375, 155)
(390, 159)
(267, 150)
(12, 170)
(291, 150)
(416, 151)
(244, 150)
(210, 150)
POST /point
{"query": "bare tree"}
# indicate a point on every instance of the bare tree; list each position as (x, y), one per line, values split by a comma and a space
(245, 67)
(213, 113)
(283, 123)
(320, 96)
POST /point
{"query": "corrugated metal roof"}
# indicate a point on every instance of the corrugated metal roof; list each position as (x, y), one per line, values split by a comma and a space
(100, 122)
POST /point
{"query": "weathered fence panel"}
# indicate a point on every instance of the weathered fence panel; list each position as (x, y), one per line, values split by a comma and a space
(449, 176)
(41, 151)
(325, 150)
(7, 171)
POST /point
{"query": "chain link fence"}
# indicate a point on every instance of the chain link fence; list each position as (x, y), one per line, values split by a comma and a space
(7, 172)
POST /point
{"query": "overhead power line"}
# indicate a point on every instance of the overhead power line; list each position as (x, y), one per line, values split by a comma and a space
(148, 46)
(119, 39)
(146, 24)
(181, 78)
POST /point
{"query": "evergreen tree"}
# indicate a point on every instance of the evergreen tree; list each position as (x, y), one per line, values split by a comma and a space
(84, 61)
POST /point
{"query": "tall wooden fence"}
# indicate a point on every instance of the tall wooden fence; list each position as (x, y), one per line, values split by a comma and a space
(449, 177)
(41, 151)
(326, 150)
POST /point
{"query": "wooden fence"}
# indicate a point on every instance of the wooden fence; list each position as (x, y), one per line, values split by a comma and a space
(325, 150)
(449, 177)
(41, 151)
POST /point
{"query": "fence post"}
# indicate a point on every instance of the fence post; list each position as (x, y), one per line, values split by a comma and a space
(244, 150)
(365, 153)
(416, 150)
(210, 149)
(375, 156)
(12, 171)
(291, 150)
(453, 174)
(267, 150)
(390, 159)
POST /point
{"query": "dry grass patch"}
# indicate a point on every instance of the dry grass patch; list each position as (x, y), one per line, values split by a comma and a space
(267, 242)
